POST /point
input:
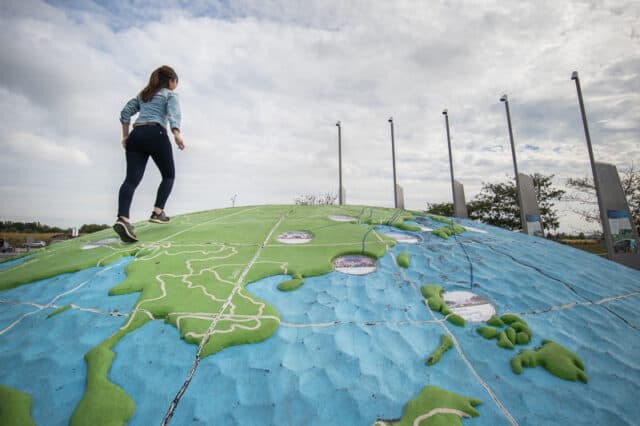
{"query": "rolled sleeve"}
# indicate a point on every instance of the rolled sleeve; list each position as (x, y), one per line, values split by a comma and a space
(173, 111)
(129, 110)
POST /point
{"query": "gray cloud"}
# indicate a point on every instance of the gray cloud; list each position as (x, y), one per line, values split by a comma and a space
(262, 84)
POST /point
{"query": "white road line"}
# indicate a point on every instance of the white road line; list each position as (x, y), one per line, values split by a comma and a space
(417, 420)
(581, 303)
(360, 323)
(54, 300)
(206, 223)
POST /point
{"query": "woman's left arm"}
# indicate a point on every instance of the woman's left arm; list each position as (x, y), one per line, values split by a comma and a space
(175, 116)
(173, 111)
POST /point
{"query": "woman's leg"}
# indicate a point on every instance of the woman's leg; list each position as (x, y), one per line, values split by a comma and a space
(163, 157)
(136, 163)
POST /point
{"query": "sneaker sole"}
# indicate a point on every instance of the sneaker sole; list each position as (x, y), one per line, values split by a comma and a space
(123, 233)
(159, 221)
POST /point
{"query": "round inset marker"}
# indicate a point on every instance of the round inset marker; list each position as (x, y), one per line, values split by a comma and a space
(402, 238)
(295, 237)
(339, 218)
(100, 243)
(354, 264)
(470, 306)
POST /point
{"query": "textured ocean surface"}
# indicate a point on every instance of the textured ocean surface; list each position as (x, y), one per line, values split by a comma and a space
(351, 349)
(45, 357)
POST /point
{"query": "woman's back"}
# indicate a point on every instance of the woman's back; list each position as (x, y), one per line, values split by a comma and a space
(163, 106)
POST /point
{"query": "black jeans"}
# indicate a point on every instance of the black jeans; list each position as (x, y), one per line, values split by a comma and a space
(145, 141)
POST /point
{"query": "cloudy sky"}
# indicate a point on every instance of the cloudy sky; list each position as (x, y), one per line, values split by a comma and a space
(263, 82)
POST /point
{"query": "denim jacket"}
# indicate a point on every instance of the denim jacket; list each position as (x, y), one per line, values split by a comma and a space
(163, 107)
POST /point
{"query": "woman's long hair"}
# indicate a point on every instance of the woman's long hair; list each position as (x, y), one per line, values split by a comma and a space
(159, 80)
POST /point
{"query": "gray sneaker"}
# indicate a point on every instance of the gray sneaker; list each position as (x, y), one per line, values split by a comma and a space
(159, 218)
(125, 231)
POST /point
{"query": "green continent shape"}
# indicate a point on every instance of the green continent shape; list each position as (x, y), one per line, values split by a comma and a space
(487, 332)
(511, 318)
(445, 344)
(433, 294)
(504, 342)
(495, 321)
(290, 285)
(403, 259)
(556, 359)
(455, 319)
(447, 231)
(193, 273)
(59, 311)
(15, 407)
(431, 400)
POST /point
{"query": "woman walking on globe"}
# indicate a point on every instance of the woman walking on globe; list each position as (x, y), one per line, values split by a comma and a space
(157, 104)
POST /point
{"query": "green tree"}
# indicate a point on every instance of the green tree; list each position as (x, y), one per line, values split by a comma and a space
(316, 200)
(496, 204)
(442, 209)
(92, 227)
(585, 203)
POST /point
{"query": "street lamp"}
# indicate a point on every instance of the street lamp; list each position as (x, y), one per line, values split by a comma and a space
(505, 99)
(339, 162)
(393, 156)
(453, 188)
(596, 182)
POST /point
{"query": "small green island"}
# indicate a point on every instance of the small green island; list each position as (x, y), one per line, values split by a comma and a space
(553, 357)
(435, 406)
(433, 295)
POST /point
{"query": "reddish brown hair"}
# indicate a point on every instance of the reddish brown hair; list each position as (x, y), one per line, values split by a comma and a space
(159, 79)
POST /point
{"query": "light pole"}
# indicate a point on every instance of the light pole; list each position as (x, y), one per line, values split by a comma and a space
(603, 216)
(505, 99)
(339, 162)
(453, 188)
(393, 157)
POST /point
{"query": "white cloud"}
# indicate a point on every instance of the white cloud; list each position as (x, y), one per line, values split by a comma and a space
(39, 151)
(262, 84)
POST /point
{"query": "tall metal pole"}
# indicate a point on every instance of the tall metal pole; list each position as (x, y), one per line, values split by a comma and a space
(339, 162)
(505, 99)
(453, 188)
(603, 216)
(393, 156)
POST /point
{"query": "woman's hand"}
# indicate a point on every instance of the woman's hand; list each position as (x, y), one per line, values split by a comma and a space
(124, 141)
(178, 140)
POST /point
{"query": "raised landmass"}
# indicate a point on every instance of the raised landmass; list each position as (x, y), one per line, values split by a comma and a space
(292, 284)
(59, 311)
(435, 406)
(552, 356)
(403, 259)
(433, 295)
(517, 331)
(15, 407)
(556, 359)
(193, 274)
(446, 231)
(446, 343)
